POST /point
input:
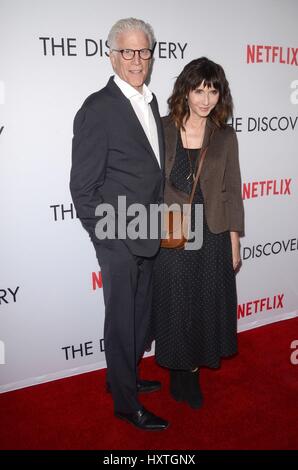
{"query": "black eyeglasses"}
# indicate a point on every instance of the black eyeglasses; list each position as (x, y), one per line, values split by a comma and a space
(128, 54)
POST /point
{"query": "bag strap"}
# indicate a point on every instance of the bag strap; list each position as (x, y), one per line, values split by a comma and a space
(198, 173)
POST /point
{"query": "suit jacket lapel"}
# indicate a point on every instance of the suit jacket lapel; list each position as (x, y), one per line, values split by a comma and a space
(156, 115)
(131, 118)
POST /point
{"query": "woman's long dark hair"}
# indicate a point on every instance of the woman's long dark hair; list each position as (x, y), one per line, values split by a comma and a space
(201, 71)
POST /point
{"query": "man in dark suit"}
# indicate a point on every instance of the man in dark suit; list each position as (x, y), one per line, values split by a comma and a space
(118, 151)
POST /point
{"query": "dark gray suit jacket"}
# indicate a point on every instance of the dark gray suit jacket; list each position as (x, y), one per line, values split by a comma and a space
(111, 157)
(220, 178)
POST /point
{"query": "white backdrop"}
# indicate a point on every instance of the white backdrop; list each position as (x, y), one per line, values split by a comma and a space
(52, 55)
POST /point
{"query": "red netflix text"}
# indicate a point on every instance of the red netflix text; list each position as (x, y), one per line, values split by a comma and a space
(256, 53)
(260, 305)
(277, 187)
(96, 280)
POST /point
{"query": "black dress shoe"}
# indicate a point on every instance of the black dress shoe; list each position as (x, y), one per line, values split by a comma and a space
(143, 386)
(143, 419)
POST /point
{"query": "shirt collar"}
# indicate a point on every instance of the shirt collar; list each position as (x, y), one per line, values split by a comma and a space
(130, 92)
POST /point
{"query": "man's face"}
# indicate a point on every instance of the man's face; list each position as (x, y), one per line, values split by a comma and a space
(132, 71)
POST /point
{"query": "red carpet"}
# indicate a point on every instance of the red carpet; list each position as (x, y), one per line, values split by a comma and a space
(250, 403)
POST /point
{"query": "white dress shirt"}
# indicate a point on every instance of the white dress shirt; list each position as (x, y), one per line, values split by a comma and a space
(140, 103)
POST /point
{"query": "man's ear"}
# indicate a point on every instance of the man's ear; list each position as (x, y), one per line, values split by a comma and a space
(112, 59)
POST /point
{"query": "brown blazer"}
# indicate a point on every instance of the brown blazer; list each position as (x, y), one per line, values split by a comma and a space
(220, 178)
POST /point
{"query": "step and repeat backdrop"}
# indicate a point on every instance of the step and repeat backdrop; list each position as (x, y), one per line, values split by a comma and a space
(53, 54)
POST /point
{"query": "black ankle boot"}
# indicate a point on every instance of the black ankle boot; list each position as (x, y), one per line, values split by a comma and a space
(193, 394)
(176, 384)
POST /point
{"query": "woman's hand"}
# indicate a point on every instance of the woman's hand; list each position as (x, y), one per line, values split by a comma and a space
(235, 249)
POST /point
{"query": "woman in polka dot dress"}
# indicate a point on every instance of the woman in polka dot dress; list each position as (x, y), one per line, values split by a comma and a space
(194, 318)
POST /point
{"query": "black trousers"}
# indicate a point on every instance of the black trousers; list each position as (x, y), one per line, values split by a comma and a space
(127, 290)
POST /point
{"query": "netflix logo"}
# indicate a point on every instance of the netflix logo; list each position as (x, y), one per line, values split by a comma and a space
(96, 280)
(256, 54)
(276, 187)
(263, 305)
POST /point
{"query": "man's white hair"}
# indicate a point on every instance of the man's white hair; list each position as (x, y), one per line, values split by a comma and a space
(130, 24)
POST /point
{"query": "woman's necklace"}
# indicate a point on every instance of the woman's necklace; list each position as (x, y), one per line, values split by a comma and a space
(192, 173)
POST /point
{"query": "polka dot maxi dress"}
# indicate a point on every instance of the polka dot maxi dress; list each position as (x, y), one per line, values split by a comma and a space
(194, 318)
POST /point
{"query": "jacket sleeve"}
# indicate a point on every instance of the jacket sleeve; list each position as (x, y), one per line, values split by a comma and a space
(234, 186)
(89, 159)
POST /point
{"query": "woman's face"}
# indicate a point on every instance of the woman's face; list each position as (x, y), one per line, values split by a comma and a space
(202, 100)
